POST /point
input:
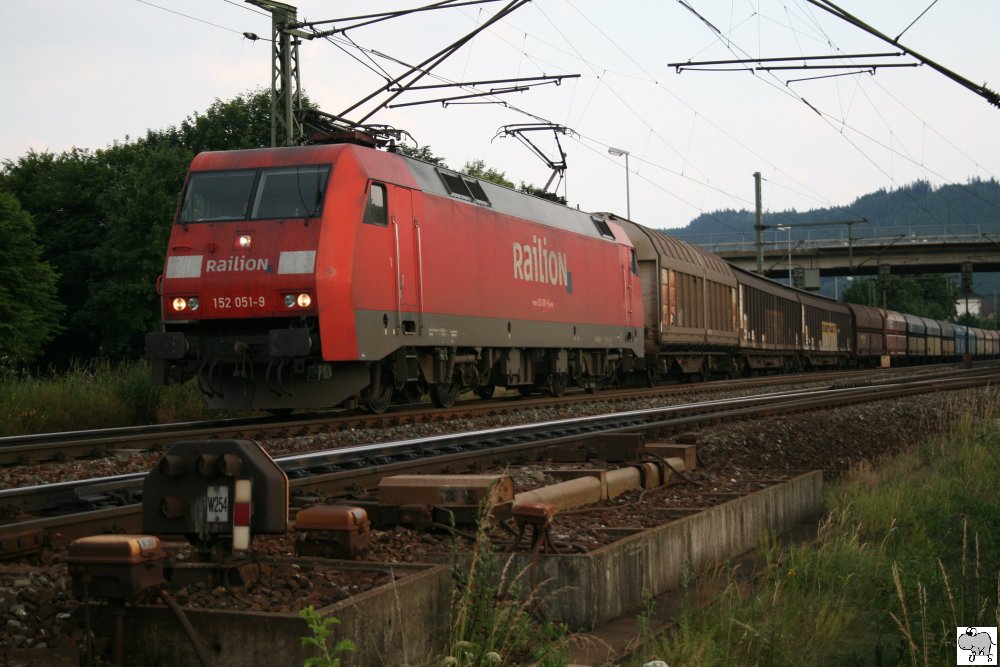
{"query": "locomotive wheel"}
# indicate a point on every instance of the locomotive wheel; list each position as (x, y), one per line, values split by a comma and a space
(485, 391)
(379, 403)
(443, 394)
(378, 396)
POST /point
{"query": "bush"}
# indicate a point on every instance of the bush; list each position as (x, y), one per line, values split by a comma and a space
(94, 395)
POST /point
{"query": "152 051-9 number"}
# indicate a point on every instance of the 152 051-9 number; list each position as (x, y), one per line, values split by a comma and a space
(224, 302)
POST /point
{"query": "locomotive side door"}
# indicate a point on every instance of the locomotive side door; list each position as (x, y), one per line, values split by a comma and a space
(629, 272)
(407, 255)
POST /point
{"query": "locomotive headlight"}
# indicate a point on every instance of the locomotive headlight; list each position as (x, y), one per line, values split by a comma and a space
(189, 303)
(243, 241)
(301, 300)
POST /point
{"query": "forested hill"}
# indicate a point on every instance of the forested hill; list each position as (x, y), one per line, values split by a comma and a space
(948, 209)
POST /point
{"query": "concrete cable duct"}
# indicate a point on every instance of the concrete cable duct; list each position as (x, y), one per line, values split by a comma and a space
(603, 485)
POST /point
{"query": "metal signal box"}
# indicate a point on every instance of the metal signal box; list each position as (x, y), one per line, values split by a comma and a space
(332, 531)
(211, 490)
(421, 500)
(116, 567)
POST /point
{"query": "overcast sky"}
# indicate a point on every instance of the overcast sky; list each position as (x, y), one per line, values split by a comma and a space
(88, 74)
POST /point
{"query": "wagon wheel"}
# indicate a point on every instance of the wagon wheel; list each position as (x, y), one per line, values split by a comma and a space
(526, 390)
(485, 391)
(443, 394)
(557, 384)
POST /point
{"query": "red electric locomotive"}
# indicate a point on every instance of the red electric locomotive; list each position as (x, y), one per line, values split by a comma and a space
(311, 276)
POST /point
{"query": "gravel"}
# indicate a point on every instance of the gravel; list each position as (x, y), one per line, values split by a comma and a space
(37, 609)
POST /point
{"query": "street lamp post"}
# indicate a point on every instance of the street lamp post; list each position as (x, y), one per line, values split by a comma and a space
(789, 230)
(617, 152)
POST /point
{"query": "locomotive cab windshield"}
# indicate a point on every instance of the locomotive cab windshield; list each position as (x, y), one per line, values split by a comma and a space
(254, 194)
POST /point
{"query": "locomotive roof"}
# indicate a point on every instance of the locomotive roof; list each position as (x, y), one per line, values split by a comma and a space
(430, 178)
(427, 177)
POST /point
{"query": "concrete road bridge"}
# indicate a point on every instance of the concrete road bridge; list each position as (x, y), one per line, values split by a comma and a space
(904, 249)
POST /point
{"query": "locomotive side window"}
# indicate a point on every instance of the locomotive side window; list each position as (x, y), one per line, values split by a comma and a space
(290, 192)
(476, 188)
(377, 213)
(602, 227)
(466, 188)
(455, 184)
(218, 195)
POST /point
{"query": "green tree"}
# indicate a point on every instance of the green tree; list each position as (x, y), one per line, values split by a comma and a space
(931, 295)
(424, 154)
(138, 201)
(60, 192)
(29, 309)
(980, 321)
(479, 169)
(242, 122)
(103, 219)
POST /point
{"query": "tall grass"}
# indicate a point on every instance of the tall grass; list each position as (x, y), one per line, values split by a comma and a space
(909, 551)
(493, 620)
(94, 395)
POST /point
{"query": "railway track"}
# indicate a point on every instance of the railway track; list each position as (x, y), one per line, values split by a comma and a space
(26, 449)
(47, 513)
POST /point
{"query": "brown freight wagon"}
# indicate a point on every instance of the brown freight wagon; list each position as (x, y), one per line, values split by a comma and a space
(947, 340)
(770, 323)
(895, 334)
(934, 347)
(689, 300)
(826, 330)
(993, 345)
(916, 337)
(869, 334)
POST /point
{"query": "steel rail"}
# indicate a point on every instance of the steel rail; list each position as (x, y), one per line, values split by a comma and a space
(24, 449)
